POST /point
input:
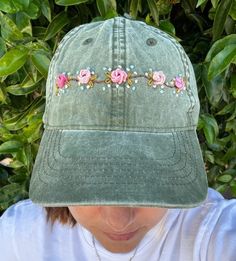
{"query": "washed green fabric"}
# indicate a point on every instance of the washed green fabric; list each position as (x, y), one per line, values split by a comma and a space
(114, 145)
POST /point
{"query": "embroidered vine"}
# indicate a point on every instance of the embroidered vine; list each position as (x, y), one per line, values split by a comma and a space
(86, 78)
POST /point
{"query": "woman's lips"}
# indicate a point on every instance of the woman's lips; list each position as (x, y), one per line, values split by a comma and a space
(121, 237)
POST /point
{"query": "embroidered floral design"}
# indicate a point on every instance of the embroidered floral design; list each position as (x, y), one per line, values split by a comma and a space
(119, 76)
(62, 81)
(179, 83)
(86, 78)
(159, 78)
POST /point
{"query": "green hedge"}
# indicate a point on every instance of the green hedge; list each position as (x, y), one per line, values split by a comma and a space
(30, 33)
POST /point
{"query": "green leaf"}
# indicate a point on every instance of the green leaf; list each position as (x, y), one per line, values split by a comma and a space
(23, 23)
(33, 11)
(20, 120)
(231, 125)
(218, 145)
(18, 178)
(167, 26)
(7, 6)
(210, 127)
(39, 32)
(21, 4)
(221, 188)
(233, 188)
(41, 61)
(188, 6)
(219, 45)
(215, 3)
(233, 85)
(209, 156)
(225, 178)
(232, 11)
(33, 132)
(213, 88)
(110, 14)
(26, 87)
(9, 30)
(16, 164)
(10, 146)
(230, 154)
(13, 60)
(222, 12)
(134, 8)
(154, 11)
(12, 193)
(3, 48)
(58, 22)
(200, 2)
(105, 5)
(229, 108)
(3, 98)
(231, 172)
(3, 175)
(70, 2)
(222, 60)
(164, 7)
(25, 156)
(46, 10)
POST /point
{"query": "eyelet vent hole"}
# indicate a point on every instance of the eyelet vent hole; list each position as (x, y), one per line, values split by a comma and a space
(87, 41)
(151, 42)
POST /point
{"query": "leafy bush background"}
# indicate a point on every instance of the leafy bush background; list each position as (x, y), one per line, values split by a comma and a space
(30, 33)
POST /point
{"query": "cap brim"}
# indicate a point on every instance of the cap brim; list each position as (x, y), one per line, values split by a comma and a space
(76, 167)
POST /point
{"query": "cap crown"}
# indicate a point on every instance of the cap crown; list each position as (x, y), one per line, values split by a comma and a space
(136, 49)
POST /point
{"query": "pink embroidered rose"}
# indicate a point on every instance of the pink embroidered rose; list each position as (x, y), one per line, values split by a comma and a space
(179, 83)
(84, 76)
(118, 76)
(62, 80)
(158, 78)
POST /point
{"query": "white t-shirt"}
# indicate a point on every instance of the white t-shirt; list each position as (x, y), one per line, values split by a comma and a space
(205, 233)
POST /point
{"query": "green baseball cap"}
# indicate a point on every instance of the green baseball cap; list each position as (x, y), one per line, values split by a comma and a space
(120, 121)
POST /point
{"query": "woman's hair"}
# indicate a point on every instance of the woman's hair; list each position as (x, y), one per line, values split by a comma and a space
(61, 214)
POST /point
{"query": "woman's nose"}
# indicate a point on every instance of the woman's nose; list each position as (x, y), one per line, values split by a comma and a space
(118, 218)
